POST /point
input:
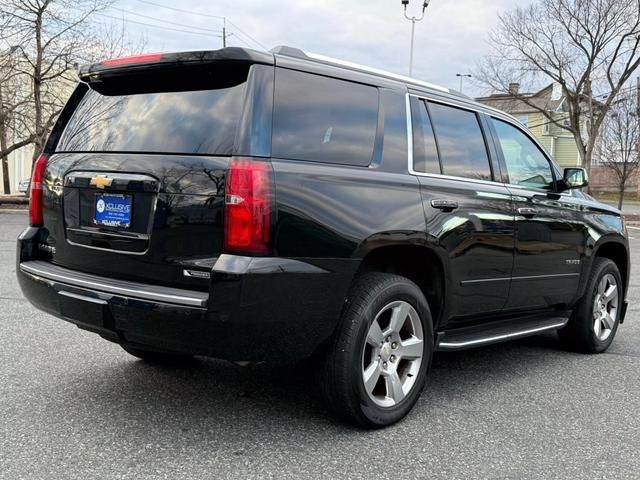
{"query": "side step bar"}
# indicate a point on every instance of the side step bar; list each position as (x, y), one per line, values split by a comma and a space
(496, 332)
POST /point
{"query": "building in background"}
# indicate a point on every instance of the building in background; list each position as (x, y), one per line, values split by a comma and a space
(19, 167)
(558, 142)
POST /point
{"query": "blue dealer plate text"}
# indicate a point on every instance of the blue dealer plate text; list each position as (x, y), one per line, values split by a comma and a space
(113, 210)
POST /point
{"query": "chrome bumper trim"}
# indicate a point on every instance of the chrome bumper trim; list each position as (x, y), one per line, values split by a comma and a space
(143, 291)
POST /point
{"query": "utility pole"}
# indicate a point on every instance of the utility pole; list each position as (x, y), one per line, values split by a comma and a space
(413, 20)
(224, 32)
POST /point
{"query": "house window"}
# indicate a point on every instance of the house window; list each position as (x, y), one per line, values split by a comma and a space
(524, 120)
(545, 126)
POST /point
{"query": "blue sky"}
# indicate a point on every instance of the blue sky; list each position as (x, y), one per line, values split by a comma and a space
(451, 38)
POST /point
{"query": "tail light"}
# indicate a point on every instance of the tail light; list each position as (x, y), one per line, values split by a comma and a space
(247, 207)
(35, 191)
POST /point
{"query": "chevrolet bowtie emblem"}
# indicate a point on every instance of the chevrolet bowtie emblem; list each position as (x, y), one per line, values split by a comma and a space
(101, 181)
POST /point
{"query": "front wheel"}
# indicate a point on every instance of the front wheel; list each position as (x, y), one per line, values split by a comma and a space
(377, 363)
(595, 319)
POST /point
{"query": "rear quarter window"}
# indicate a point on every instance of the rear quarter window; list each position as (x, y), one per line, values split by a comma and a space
(321, 119)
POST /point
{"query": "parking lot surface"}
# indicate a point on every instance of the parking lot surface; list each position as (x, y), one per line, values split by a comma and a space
(73, 406)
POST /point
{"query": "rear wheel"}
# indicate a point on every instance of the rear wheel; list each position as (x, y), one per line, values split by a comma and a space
(595, 319)
(377, 364)
(158, 357)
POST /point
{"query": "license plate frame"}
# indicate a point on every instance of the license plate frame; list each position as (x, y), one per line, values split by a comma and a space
(113, 210)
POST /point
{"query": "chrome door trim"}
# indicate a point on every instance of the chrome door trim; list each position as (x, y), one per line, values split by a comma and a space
(524, 277)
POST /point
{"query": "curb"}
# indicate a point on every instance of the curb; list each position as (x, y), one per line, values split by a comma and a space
(14, 211)
(14, 200)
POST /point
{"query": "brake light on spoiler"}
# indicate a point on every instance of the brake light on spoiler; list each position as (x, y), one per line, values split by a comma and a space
(146, 58)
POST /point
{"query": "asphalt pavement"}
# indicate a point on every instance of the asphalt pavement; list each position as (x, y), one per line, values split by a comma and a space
(74, 406)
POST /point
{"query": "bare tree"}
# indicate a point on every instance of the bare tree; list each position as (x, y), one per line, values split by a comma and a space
(50, 36)
(12, 104)
(45, 40)
(619, 148)
(582, 45)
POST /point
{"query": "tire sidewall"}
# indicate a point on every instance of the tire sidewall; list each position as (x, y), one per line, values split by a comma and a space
(586, 313)
(410, 293)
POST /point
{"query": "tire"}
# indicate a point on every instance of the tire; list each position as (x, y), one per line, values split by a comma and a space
(585, 332)
(353, 353)
(157, 357)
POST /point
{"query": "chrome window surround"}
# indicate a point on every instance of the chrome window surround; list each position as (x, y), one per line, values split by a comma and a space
(497, 114)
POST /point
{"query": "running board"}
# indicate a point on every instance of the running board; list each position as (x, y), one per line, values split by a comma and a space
(496, 332)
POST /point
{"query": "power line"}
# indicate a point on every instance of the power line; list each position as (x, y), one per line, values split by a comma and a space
(200, 14)
(165, 21)
(247, 35)
(152, 25)
(625, 89)
(180, 9)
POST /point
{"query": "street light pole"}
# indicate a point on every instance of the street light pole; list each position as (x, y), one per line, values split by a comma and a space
(462, 76)
(413, 20)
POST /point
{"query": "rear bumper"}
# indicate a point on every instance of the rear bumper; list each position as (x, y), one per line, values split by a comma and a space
(257, 309)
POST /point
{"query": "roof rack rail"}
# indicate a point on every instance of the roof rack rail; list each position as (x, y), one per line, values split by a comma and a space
(298, 53)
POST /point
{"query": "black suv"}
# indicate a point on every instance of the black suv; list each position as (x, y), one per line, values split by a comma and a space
(275, 206)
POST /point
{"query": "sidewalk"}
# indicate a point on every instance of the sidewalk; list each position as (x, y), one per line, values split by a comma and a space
(14, 202)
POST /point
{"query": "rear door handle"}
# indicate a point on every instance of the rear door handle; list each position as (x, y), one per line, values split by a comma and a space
(528, 212)
(444, 205)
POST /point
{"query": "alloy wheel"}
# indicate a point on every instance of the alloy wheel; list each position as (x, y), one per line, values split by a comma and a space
(392, 354)
(605, 307)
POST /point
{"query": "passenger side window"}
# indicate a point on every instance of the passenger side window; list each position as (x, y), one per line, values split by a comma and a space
(526, 164)
(322, 119)
(425, 152)
(463, 152)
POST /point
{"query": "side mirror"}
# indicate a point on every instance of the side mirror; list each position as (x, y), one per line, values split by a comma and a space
(574, 177)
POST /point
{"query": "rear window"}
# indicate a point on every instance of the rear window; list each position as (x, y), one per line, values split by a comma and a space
(323, 119)
(191, 122)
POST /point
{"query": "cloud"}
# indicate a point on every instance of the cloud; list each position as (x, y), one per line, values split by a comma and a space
(451, 38)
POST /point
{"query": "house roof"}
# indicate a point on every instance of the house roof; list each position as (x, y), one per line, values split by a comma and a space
(515, 104)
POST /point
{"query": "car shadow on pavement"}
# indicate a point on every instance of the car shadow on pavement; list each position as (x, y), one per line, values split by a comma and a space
(237, 403)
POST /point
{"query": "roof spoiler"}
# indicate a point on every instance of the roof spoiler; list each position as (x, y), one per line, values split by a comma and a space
(163, 61)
